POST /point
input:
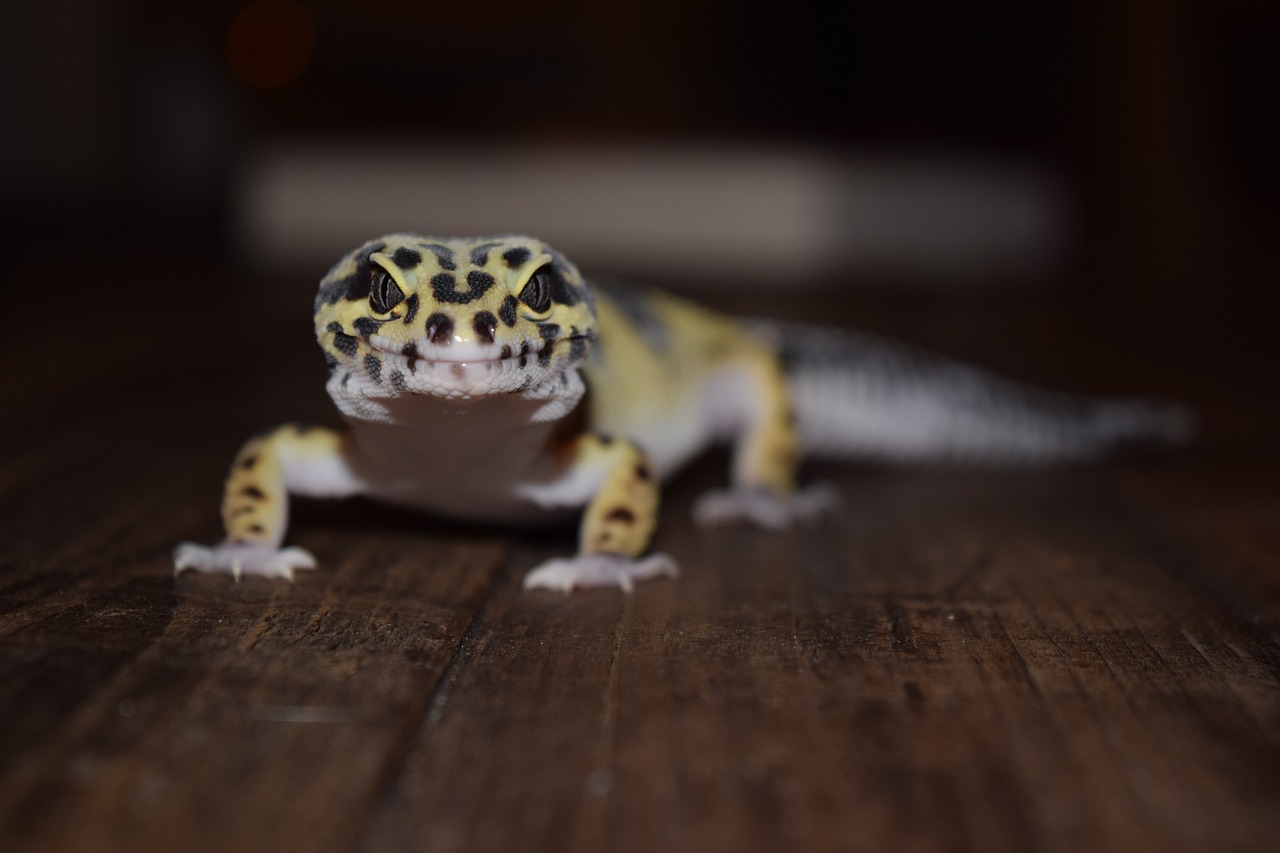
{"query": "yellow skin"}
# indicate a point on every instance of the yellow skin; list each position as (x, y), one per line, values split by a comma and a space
(484, 379)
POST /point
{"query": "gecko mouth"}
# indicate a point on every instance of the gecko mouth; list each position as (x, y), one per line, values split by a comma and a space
(413, 363)
(411, 358)
(463, 371)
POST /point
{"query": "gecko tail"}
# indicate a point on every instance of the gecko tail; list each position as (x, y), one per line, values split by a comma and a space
(859, 396)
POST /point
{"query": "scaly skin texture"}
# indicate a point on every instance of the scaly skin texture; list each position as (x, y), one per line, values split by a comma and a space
(485, 379)
(255, 501)
(624, 512)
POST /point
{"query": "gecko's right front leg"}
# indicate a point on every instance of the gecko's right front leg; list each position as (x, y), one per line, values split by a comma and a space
(302, 460)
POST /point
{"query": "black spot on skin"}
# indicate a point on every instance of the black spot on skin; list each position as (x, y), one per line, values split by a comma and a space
(255, 528)
(329, 360)
(508, 310)
(524, 347)
(365, 326)
(358, 284)
(331, 292)
(406, 258)
(411, 309)
(621, 514)
(562, 292)
(506, 351)
(346, 377)
(549, 331)
(485, 324)
(605, 439)
(479, 282)
(603, 538)
(373, 367)
(397, 381)
(643, 472)
(439, 329)
(523, 362)
(253, 492)
(247, 463)
(444, 255)
(345, 344)
(410, 352)
(445, 287)
(458, 370)
(480, 254)
(515, 257)
(544, 354)
(577, 344)
(354, 286)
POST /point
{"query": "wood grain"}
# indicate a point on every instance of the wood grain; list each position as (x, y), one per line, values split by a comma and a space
(1065, 660)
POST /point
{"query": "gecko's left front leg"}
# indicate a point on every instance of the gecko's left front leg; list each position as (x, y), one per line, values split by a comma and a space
(618, 522)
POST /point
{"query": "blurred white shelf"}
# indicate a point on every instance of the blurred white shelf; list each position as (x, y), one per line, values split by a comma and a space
(720, 215)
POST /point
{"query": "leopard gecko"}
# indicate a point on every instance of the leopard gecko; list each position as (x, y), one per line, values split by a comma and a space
(487, 380)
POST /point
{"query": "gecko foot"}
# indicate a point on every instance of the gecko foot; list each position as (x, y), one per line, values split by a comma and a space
(589, 571)
(240, 558)
(763, 508)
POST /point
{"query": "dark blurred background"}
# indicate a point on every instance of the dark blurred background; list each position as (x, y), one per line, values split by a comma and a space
(1121, 147)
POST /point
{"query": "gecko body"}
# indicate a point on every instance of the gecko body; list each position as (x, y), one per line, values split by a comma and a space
(485, 379)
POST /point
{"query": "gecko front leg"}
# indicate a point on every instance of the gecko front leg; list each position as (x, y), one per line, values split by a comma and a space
(296, 459)
(618, 522)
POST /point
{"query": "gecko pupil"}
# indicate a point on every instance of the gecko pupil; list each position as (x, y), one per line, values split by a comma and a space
(537, 293)
(385, 293)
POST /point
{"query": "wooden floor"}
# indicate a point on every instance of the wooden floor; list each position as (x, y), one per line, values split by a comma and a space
(1072, 660)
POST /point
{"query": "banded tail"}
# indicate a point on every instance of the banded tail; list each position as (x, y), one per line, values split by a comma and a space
(858, 396)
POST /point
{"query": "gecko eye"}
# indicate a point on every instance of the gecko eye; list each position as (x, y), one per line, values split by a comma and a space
(537, 292)
(384, 294)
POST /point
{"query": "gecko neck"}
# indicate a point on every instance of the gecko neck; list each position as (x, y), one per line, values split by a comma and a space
(460, 457)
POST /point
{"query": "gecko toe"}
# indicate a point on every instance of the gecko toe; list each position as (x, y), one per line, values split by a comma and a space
(767, 509)
(595, 571)
(238, 559)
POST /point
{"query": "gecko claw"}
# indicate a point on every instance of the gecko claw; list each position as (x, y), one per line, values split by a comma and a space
(766, 509)
(239, 559)
(593, 571)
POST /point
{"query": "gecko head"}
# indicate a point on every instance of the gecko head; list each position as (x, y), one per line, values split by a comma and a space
(455, 318)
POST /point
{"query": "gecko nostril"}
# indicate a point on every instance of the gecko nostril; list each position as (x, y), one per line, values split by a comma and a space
(439, 329)
(485, 324)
